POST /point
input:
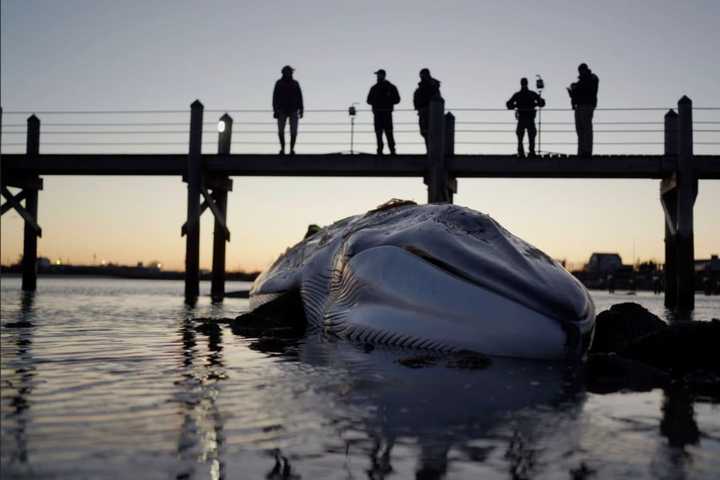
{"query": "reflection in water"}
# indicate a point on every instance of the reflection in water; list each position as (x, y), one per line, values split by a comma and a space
(439, 409)
(201, 435)
(20, 379)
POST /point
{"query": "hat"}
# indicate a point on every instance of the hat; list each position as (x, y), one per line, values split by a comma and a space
(381, 72)
(288, 69)
(425, 71)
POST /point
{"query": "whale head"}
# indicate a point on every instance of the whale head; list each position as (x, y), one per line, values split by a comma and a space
(436, 276)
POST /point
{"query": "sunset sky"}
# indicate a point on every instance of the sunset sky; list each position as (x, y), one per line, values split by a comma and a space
(161, 55)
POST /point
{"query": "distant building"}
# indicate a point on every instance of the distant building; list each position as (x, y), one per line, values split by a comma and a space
(44, 262)
(709, 265)
(604, 263)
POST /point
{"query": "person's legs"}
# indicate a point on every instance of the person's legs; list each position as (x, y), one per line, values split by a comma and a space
(293, 131)
(520, 132)
(378, 124)
(281, 119)
(423, 122)
(583, 125)
(389, 132)
(579, 129)
(589, 131)
(532, 131)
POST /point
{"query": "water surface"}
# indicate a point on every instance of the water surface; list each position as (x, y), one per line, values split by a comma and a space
(109, 378)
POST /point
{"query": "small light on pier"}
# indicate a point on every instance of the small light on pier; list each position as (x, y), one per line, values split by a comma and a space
(221, 126)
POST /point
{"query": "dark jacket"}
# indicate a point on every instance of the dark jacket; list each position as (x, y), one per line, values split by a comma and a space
(585, 90)
(425, 92)
(525, 102)
(287, 96)
(383, 96)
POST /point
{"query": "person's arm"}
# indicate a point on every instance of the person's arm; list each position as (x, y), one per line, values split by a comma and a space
(275, 100)
(510, 104)
(539, 101)
(371, 95)
(396, 95)
(301, 109)
(416, 99)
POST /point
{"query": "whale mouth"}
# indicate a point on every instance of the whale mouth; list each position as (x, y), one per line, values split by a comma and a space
(549, 310)
(444, 266)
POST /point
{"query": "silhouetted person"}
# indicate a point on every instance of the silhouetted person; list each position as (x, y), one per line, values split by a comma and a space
(428, 88)
(583, 97)
(383, 96)
(524, 102)
(287, 105)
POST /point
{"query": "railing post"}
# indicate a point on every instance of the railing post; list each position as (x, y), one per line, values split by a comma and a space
(436, 176)
(450, 152)
(668, 199)
(217, 288)
(193, 178)
(29, 260)
(687, 192)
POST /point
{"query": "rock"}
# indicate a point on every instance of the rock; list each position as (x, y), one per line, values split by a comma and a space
(609, 373)
(681, 347)
(283, 317)
(621, 325)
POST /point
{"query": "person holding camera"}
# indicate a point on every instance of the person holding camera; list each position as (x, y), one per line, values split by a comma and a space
(583, 97)
(287, 105)
(383, 96)
(524, 103)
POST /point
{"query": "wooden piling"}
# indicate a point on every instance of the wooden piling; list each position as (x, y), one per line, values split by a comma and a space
(668, 198)
(687, 186)
(450, 151)
(193, 177)
(30, 234)
(220, 237)
(436, 177)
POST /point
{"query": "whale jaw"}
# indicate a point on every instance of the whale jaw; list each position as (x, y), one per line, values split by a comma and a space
(389, 295)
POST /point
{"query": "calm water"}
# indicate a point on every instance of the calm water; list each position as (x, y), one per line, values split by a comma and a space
(111, 379)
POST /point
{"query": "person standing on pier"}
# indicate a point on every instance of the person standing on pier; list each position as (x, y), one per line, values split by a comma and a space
(583, 97)
(524, 102)
(287, 105)
(383, 96)
(428, 88)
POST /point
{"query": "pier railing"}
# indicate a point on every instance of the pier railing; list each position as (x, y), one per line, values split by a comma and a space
(626, 130)
(679, 148)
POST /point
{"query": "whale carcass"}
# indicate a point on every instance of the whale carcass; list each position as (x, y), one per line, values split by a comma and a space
(437, 276)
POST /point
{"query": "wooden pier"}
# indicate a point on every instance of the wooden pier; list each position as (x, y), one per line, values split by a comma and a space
(208, 180)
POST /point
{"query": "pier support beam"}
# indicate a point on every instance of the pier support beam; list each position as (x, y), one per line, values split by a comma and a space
(31, 228)
(677, 195)
(436, 176)
(193, 177)
(687, 193)
(668, 198)
(221, 235)
(450, 151)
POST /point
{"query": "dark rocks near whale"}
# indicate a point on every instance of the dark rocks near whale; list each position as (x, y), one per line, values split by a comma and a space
(618, 327)
(635, 350)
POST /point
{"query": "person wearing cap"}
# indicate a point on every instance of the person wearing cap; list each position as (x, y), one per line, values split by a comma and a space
(583, 97)
(287, 105)
(383, 96)
(428, 88)
(524, 102)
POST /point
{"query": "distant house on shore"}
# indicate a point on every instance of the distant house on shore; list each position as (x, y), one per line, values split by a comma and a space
(604, 263)
(708, 265)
